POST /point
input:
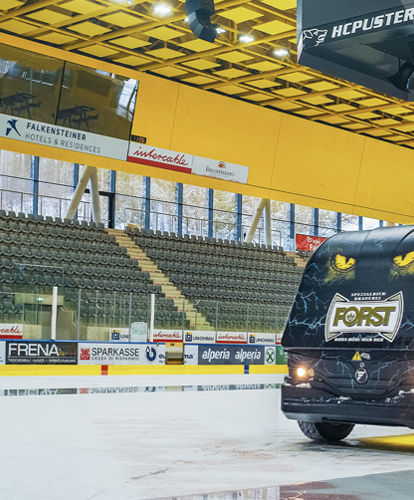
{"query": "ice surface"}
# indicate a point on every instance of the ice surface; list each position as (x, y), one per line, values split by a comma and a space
(173, 442)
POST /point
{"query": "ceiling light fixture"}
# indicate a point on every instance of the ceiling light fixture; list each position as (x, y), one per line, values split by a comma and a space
(246, 38)
(281, 52)
(162, 9)
(220, 30)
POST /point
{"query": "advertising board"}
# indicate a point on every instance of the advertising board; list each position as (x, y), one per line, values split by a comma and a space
(119, 334)
(22, 129)
(167, 336)
(231, 338)
(231, 355)
(308, 243)
(199, 337)
(262, 338)
(190, 354)
(101, 353)
(11, 331)
(41, 353)
(2, 353)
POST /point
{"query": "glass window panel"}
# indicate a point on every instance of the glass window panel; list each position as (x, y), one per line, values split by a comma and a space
(327, 223)
(163, 207)
(368, 223)
(280, 223)
(15, 164)
(224, 215)
(249, 207)
(97, 101)
(29, 84)
(129, 208)
(54, 171)
(350, 222)
(195, 215)
(304, 220)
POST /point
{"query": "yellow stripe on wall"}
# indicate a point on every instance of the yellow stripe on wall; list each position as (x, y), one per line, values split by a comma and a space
(62, 370)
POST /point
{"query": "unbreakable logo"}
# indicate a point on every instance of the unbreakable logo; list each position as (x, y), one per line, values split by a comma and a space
(364, 317)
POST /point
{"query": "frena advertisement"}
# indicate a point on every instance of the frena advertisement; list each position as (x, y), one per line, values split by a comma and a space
(42, 353)
(357, 291)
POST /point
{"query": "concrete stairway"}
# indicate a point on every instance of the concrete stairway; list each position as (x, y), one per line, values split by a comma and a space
(299, 261)
(197, 320)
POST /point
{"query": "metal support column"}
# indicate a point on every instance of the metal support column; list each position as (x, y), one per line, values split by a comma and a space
(268, 223)
(179, 201)
(316, 221)
(75, 182)
(339, 222)
(96, 206)
(360, 223)
(255, 220)
(292, 221)
(210, 194)
(147, 202)
(78, 193)
(35, 176)
(239, 216)
(111, 200)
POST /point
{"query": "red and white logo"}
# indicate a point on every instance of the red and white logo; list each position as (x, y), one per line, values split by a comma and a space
(85, 354)
(222, 164)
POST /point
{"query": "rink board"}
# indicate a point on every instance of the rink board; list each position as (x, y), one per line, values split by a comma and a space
(53, 370)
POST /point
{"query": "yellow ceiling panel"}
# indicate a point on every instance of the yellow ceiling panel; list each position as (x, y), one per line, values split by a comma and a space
(198, 45)
(334, 119)
(240, 14)
(99, 51)
(122, 19)
(48, 16)
(164, 53)
(289, 92)
(10, 4)
(367, 116)
(340, 108)
(286, 105)
(232, 89)
(355, 126)
(257, 97)
(281, 4)
(296, 77)
(163, 33)
(349, 94)
(129, 42)
(317, 100)
(264, 66)
(262, 83)
(56, 38)
(378, 133)
(410, 117)
(231, 73)
(386, 122)
(395, 138)
(274, 27)
(81, 6)
(198, 80)
(201, 64)
(310, 112)
(372, 101)
(397, 110)
(15, 26)
(322, 86)
(407, 127)
(170, 72)
(89, 29)
(132, 60)
(235, 56)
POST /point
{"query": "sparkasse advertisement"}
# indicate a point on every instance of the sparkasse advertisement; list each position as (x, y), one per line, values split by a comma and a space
(231, 355)
(92, 353)
(26, 352)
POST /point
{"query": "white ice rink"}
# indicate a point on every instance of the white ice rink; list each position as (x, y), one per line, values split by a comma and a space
(177, 441)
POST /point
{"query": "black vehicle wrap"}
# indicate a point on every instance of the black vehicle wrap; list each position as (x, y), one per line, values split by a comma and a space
(352, 328)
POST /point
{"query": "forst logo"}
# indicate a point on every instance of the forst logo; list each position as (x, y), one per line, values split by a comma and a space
(381, 317)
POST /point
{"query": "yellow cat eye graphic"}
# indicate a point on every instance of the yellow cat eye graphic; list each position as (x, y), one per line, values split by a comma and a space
(341, 263)
(402, 261)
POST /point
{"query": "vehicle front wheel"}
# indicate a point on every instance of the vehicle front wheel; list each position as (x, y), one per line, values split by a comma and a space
(324, 431)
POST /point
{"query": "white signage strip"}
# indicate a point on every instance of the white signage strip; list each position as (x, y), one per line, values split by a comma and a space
(11, 330)
(101, 353)
(199, 337)
(167, 336)
(182, 162)
(231, 338)
(81, 141)
(262, 338)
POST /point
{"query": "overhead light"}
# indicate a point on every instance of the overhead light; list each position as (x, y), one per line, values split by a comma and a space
(281, 52)
(220, 30)
(162, 9)
(186, 20)
(401, 79)
(246, 38)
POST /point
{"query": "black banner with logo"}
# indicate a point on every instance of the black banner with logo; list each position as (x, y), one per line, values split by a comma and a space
(41, 353)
